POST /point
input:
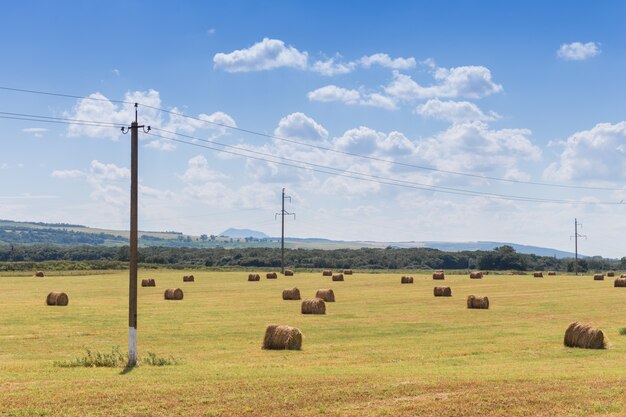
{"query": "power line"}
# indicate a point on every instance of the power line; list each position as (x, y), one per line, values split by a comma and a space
(352, 154)
(361, 176)
(310, 166)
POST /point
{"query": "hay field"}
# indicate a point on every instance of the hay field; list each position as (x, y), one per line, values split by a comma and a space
(382, 349)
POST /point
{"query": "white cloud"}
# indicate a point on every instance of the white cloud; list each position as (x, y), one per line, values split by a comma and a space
(300, 126)
(386, 61)
(211, 31)
(473, 147)
(578, 51)
(265, 55)
(100, 109)
(330, 67)
(598, 154)
(468, 81)
(198, 170)
(110, 172)
(366, 141)
(68, 173)
(116, 72)
(453, 111)
(332, 93)
(34, 130)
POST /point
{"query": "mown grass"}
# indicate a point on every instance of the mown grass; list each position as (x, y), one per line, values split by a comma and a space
(382, 349)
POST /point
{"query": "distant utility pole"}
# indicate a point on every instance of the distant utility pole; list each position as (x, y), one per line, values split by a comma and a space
(283, 213)
(132, 284)
(576, 236)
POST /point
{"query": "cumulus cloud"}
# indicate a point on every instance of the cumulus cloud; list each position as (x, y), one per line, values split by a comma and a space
(68, 173)
(578, 51)
(367, 141)
(270, 54)
(300, 126)
(453, 111)
(597, 154)
(332, 93)
(468, 81)
(474, 147)
(265, 55)
(110, 172)
(386, 61)
(198, 170)
(111, 116)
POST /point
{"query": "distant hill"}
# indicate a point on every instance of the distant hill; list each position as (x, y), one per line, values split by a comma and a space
(243, 233)
(32, 233)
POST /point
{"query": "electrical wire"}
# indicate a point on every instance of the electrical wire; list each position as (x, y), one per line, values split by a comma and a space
(300, 143)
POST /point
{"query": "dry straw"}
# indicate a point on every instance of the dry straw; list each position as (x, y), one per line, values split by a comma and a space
(442, 292)
(406, 280)
(620, 282)
(148, 282)
(338, 277)
(173, 294)
(584, 336)
(538, 274)
(271, 275)
(476, 275)
(288, 273)
(347, 271)
(188, 278)
(317, 306)
(477, 302)
(552, 273)
(598, 277)
(57, 298)
(327, 273)
(254, 277)
(39, 274)
(438, 275)
(282, 337)
(326, 294)
(291, 294)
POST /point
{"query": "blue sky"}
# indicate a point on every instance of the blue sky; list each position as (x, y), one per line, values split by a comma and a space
(530, 92)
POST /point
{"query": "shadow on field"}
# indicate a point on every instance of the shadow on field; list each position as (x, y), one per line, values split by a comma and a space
(127, 369)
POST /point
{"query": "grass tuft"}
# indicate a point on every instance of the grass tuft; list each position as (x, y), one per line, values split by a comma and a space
(622, 331)
(115, 359)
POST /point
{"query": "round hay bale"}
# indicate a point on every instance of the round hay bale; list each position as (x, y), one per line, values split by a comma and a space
(584, 336)
(271, 275)
(439, 275)
(347, 271)
(338, 277)
(282, 337)
(476, 275)
(538, 274)
(327, 273)
(598, 277)
(326, 294)
(317, 306)
(623, 276)
(551, 273)
(148, 282)
(610, 274)
(442, 292)
(406, 280)
(291, 294)
(288, 273)
(188, 278)
(620, 282)
(254, 277)
(57, 298)
(39, 274)
(173, 294)
(477, 302)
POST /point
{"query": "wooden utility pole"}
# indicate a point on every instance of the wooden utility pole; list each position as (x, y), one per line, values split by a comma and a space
(134, 197)
(283, 213)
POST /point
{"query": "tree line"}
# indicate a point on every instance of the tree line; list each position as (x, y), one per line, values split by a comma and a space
(14, 257)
